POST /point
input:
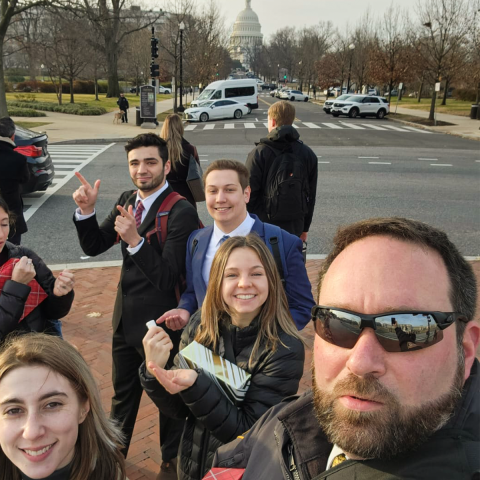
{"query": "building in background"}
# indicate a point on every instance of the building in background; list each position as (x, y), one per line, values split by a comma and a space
(246, 38)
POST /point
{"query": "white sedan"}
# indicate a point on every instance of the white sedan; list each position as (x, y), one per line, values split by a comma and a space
(213, 110)
(294, 95)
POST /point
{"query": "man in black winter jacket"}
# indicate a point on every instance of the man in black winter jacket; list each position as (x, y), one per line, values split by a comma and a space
(282, 138)
(122, 103)
(13, 172)
(375, 411)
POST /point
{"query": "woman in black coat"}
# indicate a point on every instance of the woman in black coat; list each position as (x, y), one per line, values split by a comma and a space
(245, 317)
(30, 296)
(179, 152)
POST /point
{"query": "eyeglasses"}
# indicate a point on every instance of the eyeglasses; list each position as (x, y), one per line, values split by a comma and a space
(395, 331)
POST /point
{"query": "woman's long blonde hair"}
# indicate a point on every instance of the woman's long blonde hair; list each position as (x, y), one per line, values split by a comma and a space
(172, 133)
(97, 451)
(274, 314)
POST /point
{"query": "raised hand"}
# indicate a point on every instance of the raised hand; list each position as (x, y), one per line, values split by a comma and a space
(174, 381)
(175, 319)
(85, 196)
(157, 346)
(64, 283)
(126, 227)
(24, 271)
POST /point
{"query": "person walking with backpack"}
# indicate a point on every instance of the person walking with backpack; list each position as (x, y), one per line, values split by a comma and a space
(152, 269)
(283, 174)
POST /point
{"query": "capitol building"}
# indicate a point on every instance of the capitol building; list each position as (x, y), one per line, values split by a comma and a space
(246, 35)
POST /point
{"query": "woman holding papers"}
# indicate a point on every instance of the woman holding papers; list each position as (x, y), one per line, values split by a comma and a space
(245, 319)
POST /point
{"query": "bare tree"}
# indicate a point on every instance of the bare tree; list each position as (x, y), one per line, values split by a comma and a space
(283, 48)
(445, 26)
(136, 57)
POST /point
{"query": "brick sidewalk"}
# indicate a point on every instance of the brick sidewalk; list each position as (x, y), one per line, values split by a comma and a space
(88, 326)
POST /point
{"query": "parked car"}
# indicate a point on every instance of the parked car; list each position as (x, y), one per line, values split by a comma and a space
(165, 90)
(393, 93)
(269, 86)
(213, 110)
(327, 106)
(294, 95)
(361, 106)
(279, 91)
(34, 146)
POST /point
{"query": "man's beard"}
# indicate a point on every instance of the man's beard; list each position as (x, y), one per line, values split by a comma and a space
(152, 185)
(387, 432)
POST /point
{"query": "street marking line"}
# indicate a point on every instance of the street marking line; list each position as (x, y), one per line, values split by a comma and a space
(375, 127)
(323, 162)
(190, 127)
(64, 160)
(440, 164)
(52, 189)
(294, 126)
(266, 124)
(418, 130)
(203, 155)
(353, 126)
(229, 125)
(319, 156)
(428, 159)
(209, 127)
(332, 125)
(478, 161)
(379, 163)
(57, 165)
(64, 172)
(249, 125)
(311, 125)
(371, 158)
(391, 127)
(204, 160)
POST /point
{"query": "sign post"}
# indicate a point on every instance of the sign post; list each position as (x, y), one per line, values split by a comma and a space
(437, 89)
(400, 88)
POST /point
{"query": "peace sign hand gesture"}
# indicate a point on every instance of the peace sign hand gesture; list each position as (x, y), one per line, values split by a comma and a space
(85, 196)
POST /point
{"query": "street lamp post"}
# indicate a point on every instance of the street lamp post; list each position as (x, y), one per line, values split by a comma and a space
(351, 48)
(181, 108)
(278, 73)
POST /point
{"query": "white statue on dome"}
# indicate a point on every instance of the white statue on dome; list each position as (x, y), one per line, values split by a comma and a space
(248, 3)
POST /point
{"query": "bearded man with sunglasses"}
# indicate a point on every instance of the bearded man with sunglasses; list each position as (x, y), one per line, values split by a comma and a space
(382, 405)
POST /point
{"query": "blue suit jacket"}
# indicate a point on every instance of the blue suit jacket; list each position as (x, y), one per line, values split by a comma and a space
(297, 285)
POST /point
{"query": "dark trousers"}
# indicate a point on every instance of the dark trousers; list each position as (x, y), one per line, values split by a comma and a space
(124, 116)
(128, 392)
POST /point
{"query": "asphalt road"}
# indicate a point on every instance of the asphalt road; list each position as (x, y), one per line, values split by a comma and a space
(362, 173)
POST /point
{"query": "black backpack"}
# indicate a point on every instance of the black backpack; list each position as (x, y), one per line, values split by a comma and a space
(286, 191)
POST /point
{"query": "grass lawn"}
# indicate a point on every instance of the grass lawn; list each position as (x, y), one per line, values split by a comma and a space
(110, 104)
(32, 124)
(454, 107)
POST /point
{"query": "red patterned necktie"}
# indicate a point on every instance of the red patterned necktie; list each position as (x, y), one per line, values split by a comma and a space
(138, 213)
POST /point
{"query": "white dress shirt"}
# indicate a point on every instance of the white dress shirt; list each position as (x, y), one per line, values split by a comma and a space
(147, 203)
(241, 231)
(336, 450)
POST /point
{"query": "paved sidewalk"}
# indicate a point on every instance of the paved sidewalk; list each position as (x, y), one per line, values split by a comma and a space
(88, 326)
(70, 128)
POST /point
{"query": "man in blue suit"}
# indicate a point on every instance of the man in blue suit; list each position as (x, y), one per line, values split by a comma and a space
(227, 193)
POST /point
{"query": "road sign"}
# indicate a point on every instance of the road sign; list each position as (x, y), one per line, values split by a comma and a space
(148, 104)
(400, 86)
(437, 86)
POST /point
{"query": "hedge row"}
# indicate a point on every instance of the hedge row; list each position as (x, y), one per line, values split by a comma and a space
(71, 108)
(465, 94)
(79, 86)
(24, 112)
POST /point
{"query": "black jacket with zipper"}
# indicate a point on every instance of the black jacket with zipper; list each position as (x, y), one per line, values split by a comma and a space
(212, 419)
(453, 452)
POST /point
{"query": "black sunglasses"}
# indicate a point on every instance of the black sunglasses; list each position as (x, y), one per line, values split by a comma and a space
(395, 331)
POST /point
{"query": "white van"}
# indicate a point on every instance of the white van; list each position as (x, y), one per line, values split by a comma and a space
(243, 91)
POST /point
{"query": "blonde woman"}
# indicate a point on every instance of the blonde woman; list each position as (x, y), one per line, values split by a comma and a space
(245, 316)
(179, 152)
(52, 425)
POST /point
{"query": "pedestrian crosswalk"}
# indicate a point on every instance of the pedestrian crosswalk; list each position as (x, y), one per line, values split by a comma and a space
(67, 159)
(309, 125)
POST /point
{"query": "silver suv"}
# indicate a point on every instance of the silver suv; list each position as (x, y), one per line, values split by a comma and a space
(361, 106)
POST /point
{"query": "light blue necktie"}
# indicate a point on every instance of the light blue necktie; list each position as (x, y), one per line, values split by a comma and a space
(225, 237)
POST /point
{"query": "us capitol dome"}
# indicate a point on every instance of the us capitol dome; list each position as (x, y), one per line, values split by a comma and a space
(246, 35)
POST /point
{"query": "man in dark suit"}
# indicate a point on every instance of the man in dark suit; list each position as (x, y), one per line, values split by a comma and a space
(149, 274)
(13, 172)
(227, 193)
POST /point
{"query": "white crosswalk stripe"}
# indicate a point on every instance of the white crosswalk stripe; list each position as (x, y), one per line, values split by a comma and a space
(67, 159)
(300, 125)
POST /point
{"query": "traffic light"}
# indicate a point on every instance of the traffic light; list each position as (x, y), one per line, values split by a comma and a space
(284, 77)
(154, 45)
(154, 70)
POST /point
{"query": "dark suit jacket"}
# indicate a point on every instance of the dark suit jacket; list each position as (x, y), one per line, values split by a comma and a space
(13, 172)
(147, 284)
(297, 285)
